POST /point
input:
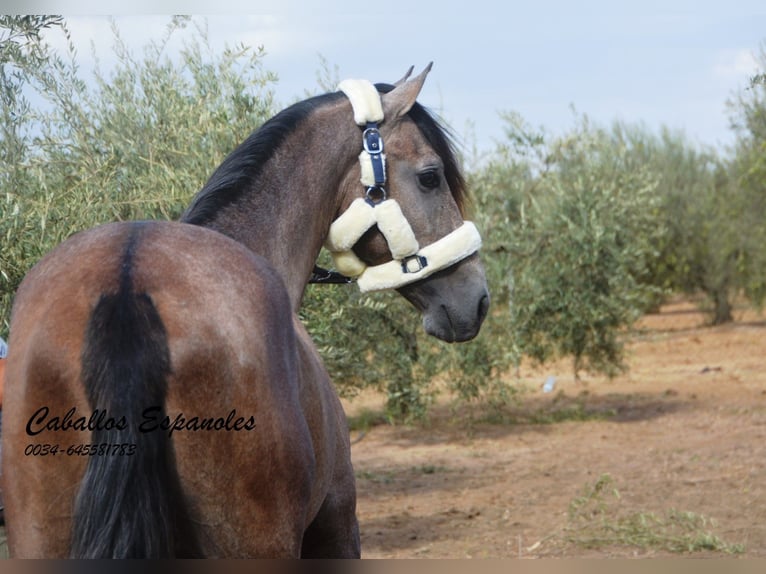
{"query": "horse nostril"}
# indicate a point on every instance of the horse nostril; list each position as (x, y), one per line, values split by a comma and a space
(483, 307)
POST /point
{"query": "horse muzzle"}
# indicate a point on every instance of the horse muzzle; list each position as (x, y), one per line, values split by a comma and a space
(454, 302)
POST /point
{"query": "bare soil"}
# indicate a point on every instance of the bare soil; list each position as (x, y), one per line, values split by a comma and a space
(684, 430)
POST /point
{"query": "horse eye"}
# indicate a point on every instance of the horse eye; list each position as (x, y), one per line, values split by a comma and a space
(429, 179)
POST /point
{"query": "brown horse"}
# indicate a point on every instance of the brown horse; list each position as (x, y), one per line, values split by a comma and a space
(2, 379)
(163, 400)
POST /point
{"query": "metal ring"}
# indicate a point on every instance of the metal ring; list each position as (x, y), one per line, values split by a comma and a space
(375, 194)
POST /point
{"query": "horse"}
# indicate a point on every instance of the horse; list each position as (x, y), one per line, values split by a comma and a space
(162, 397)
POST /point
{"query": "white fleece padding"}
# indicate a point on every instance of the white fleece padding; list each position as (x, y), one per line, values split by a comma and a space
(396, 229)
(361, 216)
(365, 100)
(448, 250)
(350, 226)
(347, 263)
(368, 174)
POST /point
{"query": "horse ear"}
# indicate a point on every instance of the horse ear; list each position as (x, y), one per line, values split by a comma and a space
(404, 79)
(398, 101)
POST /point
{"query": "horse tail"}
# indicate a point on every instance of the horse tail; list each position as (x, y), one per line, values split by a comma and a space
(130, 503)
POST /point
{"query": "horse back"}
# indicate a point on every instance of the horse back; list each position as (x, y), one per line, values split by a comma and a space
(229, 408)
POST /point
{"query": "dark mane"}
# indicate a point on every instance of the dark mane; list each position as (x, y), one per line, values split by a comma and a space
(233, 177)
(242, 166)
(442, 141)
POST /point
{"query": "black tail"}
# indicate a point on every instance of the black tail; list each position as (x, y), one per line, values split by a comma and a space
(129, 505)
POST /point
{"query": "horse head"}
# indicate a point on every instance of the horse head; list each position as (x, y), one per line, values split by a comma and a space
(403, 227)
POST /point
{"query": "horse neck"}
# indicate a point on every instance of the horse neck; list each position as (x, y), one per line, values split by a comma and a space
(286, 212)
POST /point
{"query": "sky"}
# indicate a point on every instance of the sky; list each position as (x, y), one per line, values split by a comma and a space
(672, 63)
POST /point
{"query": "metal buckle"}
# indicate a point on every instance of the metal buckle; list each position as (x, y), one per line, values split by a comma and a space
(372, 142)
(420, 263)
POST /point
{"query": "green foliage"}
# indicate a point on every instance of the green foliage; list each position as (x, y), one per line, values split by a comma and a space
(702, 248)
(369, 341)
(586, 231)
(22, 54)
(570, 243)
(748, 180)
(134, 144)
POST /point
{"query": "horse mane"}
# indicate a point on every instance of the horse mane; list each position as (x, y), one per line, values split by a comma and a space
(234, 177)
(241, 167)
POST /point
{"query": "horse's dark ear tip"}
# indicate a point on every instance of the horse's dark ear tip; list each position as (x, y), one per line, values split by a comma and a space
(406, 76)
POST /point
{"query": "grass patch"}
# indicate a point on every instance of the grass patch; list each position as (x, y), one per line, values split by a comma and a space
(366, 419)
(566, 409)
(428, 469)
(382, 477)
(390, 476)
(597, 521)
(562, 408)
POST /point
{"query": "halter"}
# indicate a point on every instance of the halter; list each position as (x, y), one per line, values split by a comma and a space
(410, 262)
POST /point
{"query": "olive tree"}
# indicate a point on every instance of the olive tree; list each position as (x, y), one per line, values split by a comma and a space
(575, 231)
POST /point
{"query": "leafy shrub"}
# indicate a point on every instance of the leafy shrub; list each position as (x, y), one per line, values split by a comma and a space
(136, 144)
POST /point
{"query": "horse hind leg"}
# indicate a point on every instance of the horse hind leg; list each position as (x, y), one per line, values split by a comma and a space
(334, 532)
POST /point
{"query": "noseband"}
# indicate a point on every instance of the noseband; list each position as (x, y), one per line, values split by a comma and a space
(410, 262)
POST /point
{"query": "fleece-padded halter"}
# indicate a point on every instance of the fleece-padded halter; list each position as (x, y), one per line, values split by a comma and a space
(410, 262)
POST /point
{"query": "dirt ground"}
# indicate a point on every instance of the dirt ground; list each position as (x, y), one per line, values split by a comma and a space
(682, 434)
